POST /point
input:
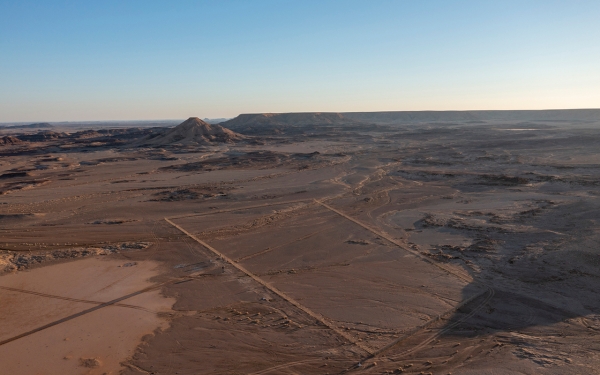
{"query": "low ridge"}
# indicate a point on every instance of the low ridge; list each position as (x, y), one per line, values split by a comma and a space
(9, 140)
(245, 122)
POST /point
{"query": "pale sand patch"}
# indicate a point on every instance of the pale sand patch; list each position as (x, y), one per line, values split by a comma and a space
(108, 335)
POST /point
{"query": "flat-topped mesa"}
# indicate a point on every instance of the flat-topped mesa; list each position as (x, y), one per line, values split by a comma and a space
(195, 131)
(302, 118)
(278, 123)
(253, 121)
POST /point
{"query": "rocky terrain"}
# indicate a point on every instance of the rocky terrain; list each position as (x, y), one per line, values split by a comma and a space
(458, 242)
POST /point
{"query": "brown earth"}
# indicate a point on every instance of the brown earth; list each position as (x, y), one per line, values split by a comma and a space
(390, 242)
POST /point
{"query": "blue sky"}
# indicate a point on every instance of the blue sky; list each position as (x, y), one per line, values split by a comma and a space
(120, 60)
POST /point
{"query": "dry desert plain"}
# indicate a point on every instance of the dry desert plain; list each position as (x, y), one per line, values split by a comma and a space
(307, 243)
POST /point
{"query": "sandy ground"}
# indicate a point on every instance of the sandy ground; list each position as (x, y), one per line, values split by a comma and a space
(93, 343)
(430, 248)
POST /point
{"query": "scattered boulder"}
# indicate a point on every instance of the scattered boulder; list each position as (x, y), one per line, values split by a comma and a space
(89, 362)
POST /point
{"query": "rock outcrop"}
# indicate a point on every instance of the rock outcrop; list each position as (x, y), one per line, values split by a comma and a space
(9, 140)
(195, 131)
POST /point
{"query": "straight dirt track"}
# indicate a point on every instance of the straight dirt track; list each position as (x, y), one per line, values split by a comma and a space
(371, 353)
(321, 319)
(457, 274)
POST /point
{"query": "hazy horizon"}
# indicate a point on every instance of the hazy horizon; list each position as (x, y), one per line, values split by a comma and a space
(158, 120)
(113, 61)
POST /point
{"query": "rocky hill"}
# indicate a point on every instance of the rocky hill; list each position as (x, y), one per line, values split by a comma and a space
(195, 131)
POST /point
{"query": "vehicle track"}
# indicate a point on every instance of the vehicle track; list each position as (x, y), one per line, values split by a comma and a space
(490, 294)
(318, 317)
(455, 273)
(238, 209)
(371, 353)
(269, 249)
(285, 365)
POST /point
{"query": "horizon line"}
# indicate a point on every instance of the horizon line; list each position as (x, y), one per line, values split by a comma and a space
(341, 112)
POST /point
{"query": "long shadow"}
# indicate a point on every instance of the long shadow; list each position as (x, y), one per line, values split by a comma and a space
(505, 311)
(549, 290)
(558, 280)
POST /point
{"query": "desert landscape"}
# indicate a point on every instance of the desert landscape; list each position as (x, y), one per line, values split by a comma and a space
(433, 242)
